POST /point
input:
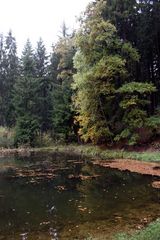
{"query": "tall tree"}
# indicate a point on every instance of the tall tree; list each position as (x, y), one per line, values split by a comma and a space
(12, 65)
(139, 23)
(44, 100)
(2, 82)
(62, 112)
(103, 66)
(148, 44)
(25, 99)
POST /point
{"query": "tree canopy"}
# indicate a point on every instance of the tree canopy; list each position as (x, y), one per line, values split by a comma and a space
(99, 84)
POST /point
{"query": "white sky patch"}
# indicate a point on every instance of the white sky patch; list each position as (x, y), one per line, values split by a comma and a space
(38, 18)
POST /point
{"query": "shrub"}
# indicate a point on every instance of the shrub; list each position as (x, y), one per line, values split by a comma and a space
(44, 140)
(6, 137)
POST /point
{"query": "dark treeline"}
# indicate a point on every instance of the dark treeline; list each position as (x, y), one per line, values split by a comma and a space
(99, 84)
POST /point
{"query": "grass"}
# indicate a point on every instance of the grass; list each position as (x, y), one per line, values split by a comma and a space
(88, 150)
(152, 232)
(96, 152)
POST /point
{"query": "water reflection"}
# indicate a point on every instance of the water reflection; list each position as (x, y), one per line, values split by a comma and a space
(47, 196)
(24, 236)
(53, 233)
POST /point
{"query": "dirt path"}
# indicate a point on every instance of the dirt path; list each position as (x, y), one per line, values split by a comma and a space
(145, 168)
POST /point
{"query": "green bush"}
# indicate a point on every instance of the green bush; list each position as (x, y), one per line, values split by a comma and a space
(44, 140)
(6, 137)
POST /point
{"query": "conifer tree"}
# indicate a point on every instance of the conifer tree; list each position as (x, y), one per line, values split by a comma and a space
(25, 99)
(12, 65)
(62, 114)
(2, 82)
(138, 22)
(44, 100)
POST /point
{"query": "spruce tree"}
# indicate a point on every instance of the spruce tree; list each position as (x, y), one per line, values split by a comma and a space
(62, 115)
(44, 98)
(2, 82)
(25, 99)
(11, 74)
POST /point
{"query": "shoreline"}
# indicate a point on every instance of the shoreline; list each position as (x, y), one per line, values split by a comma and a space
(134, 166)
(145, 163)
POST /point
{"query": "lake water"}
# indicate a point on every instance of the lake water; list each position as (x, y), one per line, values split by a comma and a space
(61, 196)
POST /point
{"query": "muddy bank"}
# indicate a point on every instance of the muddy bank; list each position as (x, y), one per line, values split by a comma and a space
(144, 168)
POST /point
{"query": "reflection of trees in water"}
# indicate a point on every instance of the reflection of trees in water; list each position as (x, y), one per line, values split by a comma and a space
(93, 196)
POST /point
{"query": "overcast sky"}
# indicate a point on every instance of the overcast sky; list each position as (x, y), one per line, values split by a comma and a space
(38, 18)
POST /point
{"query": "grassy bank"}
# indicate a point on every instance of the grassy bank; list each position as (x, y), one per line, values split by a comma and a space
(151, 232)
(97, 152)
(7, 147)
(91, 152)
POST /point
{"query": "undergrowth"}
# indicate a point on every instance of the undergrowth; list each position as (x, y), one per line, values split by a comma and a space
(6, 137)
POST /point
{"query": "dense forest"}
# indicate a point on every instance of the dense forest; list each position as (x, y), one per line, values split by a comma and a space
(100, 84)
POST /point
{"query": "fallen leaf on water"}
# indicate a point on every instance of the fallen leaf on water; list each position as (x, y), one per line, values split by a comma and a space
(82, 209)
(60, 188)
(44, 223)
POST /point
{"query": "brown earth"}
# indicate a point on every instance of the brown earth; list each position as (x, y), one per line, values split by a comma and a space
(145, 168)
